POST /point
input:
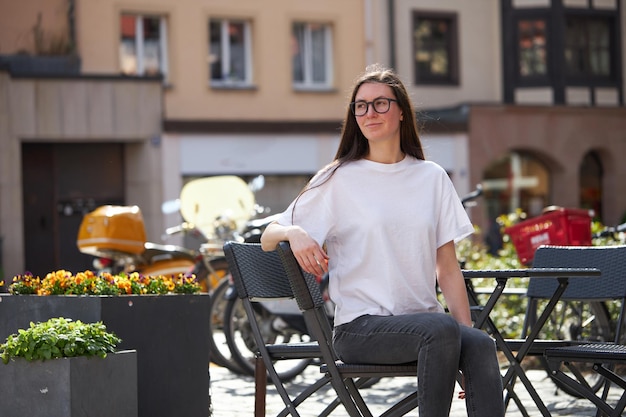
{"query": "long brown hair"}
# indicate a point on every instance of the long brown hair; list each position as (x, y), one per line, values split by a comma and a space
(354, 145)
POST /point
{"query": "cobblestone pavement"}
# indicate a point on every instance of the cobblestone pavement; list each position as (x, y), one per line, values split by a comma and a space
(233, 396)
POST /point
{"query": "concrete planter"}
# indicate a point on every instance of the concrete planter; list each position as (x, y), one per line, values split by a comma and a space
(169, 332)
(70, 387)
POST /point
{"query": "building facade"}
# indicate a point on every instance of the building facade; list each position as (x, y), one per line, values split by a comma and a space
(241, 88)
(523, 96)
(534, 87)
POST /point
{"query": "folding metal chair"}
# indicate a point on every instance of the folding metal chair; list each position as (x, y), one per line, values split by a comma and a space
(342, 375)
(610, 286)
(516, 350)
(603, 356)
(260, 276)
(611, 261)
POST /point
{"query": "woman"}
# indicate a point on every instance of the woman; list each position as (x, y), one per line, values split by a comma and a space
(383, 222)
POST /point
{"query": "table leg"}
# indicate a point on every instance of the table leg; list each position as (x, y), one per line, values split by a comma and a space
(515, 370)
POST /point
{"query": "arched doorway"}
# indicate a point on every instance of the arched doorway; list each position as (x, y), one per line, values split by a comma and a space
(517, 180)
(591, 173)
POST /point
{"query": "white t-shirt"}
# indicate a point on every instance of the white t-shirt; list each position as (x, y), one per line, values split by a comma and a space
(382, 225)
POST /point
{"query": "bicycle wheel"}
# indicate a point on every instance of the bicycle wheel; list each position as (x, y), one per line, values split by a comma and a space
(580, 321)
(218, 347)
(241, 342)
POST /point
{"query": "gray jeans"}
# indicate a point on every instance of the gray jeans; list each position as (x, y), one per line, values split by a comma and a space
(441, 347)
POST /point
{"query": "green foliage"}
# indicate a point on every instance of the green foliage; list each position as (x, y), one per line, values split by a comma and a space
(508, 315)
(615, 238)
(58, 338)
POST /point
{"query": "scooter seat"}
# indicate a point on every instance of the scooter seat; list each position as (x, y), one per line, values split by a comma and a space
(155, 252)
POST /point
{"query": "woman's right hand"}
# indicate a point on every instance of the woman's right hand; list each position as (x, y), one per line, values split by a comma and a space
(309, 254)
(307, 251)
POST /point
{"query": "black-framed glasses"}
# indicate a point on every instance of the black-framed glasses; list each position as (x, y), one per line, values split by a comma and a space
(380, 105)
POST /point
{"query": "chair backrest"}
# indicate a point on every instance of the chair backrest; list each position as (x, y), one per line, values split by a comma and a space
(258, 275)
(306, 290)
(610, 260)
(308, 295)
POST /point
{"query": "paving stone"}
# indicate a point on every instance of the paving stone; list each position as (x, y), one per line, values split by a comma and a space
(232, 395)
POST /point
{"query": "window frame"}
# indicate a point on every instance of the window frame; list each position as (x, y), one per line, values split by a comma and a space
(308, 84)
(557, 78)
(588, 79)
(452, 49)
(226, 51)
(533, 80)
(140, 43)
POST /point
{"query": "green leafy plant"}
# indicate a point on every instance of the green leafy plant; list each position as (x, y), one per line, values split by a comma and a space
(474, 254)
(59, 338)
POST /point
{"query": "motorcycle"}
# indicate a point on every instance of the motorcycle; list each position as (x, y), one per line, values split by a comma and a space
(219, 208)
(216, 209)
(231, 338)
(116, 237)
(223, 209)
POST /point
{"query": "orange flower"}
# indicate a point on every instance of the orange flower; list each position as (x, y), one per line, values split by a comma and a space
(88, 282)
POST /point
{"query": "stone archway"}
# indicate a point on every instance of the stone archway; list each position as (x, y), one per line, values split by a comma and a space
(558, 136)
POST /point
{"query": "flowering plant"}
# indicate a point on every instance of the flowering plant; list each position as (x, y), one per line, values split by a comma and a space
(59, 338)
(64, 282)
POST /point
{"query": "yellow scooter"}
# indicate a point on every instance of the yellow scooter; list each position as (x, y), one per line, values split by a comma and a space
(116, 236)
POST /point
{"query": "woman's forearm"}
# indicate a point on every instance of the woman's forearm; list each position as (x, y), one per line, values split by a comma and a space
(452, 283)
(272, 235)
(456, 299)
(309, 254)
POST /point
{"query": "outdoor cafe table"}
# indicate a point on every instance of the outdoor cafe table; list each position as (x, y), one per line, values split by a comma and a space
(483, 320)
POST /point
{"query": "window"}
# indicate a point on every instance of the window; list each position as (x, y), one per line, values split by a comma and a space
(312, 55)
(435, 48)
(143, 48)
(588, 46)
(533, 59)
(559, 48)
(230, 53)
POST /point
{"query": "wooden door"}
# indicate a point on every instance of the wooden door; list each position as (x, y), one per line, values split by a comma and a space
(61, 183)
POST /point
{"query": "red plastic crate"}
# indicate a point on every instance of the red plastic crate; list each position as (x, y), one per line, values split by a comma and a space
(559, 226)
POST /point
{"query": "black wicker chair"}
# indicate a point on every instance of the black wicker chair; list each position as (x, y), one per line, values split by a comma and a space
(259, 276)
(609, 260)
(611, 286)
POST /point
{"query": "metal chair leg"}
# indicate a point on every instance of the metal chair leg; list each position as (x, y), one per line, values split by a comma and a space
(260, 387)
